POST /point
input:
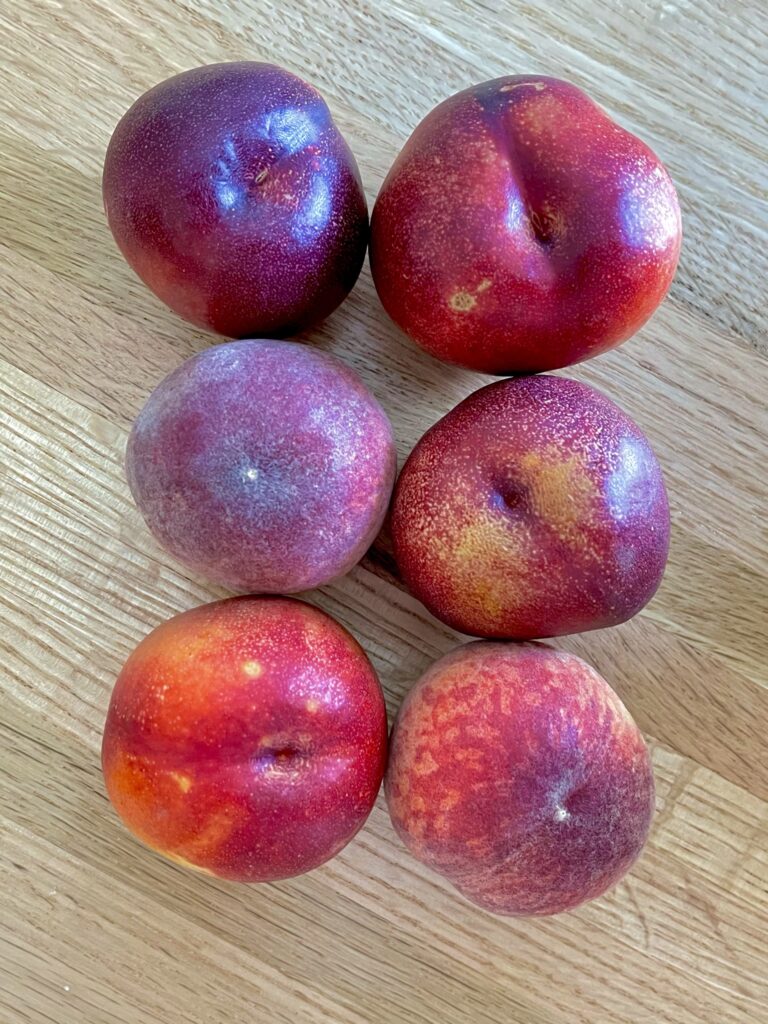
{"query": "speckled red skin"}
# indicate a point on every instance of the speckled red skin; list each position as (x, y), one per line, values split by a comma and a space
(266, 466)
(517, 773)
(233, 195)
(246, 738)
(535, 508)
(520, 229)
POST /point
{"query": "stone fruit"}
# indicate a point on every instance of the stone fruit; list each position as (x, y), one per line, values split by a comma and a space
(266, 466)
(535, 508)
(517, 773)
(246, 738)
(235, 198)
(521, 229)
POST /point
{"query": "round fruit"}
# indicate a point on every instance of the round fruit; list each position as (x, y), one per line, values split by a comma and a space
(521, 229)
(517, 773)
(246, 738)
(234, 196)
(267, 466)
(535, 508)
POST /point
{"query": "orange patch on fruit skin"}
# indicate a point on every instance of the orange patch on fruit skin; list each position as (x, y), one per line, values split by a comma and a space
(425, 764)
(137, 786)
(184, 863)
(182, 781)
(560, 492)
(450, 800)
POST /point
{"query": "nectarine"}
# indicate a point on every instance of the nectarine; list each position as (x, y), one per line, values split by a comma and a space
(246, 738)
(233, 195)
(521, 229)
(267, 466)
(534, 508)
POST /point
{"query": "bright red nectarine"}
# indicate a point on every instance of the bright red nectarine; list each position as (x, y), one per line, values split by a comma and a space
(246, 738)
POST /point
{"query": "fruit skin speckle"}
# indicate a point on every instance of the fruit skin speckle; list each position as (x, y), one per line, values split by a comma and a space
(266, 466)
(517, 773)
(534, 508)
(527, 184)
(249, 778)
(233, 195)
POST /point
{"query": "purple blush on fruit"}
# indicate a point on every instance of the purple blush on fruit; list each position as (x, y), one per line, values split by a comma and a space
(266, 466)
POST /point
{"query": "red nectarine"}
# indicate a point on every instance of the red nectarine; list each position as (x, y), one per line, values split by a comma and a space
(535, 508)
(521, 229)
(246, 738)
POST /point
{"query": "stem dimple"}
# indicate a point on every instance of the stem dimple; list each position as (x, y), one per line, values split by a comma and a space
(508, 496)
(541, 227)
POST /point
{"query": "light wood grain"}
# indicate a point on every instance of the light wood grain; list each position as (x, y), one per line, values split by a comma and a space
(97, 929)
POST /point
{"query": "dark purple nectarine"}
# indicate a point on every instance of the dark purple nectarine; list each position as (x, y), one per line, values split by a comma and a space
(234, 196)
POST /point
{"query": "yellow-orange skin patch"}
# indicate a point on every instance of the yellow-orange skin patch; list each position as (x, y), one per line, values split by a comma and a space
(543, 794)
(182, 781)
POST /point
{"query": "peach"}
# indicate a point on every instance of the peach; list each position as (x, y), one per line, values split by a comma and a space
(521, 229)
(517, 773)
(534, 508)
(246, 738)
(267, 466)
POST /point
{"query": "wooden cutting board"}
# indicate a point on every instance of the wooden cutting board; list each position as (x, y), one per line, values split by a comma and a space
(98, 930)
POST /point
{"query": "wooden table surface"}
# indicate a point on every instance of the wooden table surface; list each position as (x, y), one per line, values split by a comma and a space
(98, 930)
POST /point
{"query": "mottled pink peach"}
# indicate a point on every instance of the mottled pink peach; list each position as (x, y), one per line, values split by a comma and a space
(517, 773)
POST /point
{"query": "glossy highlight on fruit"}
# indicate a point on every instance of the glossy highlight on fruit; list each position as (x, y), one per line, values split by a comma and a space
(266, 466)
(517, 773)
(521, 229)
(534, 508)
(233, 195)
(246, 738)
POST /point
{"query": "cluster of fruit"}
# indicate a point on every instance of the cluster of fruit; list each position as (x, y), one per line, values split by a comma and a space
(519, 230)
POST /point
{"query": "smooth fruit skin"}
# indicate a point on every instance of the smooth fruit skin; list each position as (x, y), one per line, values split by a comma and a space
(520, 229)
(235, 198)
(246, 738)
(517, 773)
(266, 466)
(535, 508)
